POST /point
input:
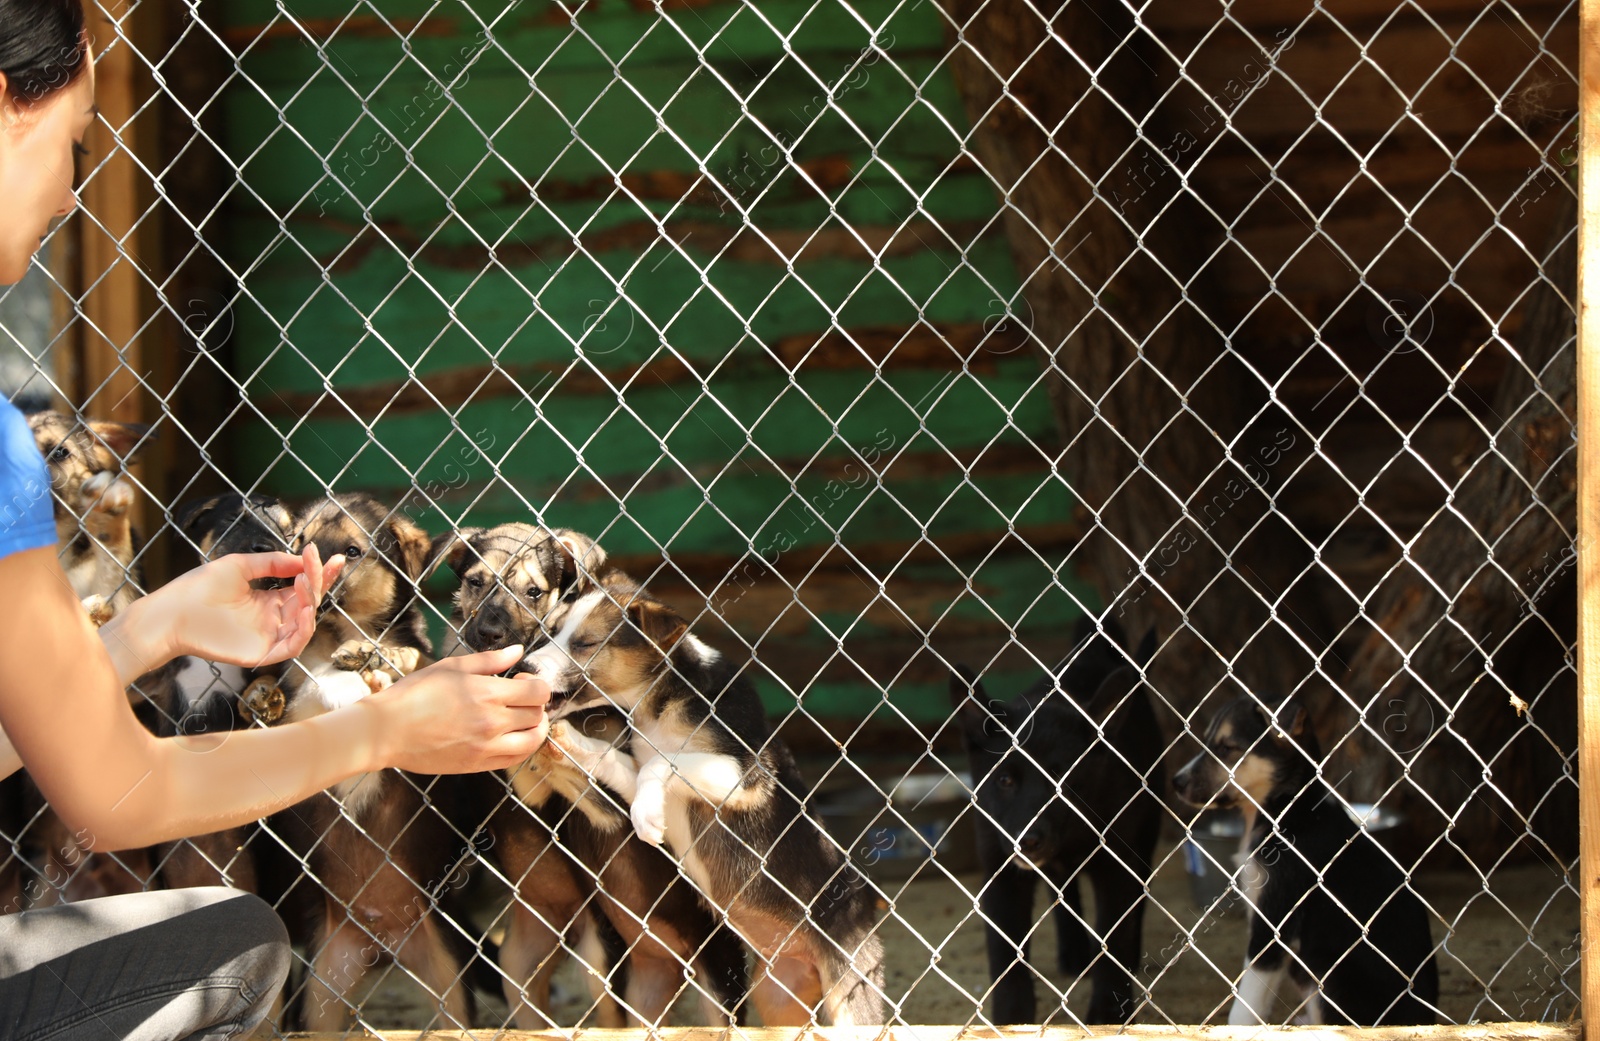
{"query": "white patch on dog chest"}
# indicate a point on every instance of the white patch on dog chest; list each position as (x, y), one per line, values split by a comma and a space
(197, 678)
(328, 688)
(358, 792)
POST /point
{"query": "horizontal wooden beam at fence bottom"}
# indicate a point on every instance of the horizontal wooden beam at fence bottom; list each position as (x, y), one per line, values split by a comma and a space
(1469, 1032)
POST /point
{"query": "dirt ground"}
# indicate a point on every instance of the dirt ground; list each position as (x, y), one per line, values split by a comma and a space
(1506, 942)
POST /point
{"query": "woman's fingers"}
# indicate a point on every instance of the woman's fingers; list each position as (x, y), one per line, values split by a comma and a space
(269, 565)
(517, 745)
(531, 691)
(484, 663)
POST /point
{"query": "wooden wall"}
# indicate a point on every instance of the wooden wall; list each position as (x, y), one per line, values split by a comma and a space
(814, 367)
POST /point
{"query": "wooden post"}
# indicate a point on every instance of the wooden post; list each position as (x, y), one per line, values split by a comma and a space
(1589, 510)
(110, 242)
(115, 300)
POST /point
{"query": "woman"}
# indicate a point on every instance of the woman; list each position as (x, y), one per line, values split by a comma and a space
(201, 963)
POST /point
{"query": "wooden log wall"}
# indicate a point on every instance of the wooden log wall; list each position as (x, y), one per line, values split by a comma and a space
(454, 323)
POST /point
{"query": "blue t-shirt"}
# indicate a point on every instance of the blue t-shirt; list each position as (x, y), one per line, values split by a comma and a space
(26, 517)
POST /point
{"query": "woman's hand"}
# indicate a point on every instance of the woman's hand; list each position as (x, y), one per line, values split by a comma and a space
(460, 716)
(213, 612)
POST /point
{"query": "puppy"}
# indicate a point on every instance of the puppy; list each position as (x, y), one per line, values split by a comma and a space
(517, 582)
(702, 773)
(197, 697)
(1328, 908)
(97, 549)
(98, 543)
(1056, 799)
(380, 845)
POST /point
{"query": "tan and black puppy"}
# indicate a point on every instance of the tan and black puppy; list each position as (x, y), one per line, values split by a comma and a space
(702, 773)
(380, 845)
(370, 623)
(517, 583)
(98, 543)
(516, 580)
(97, 550)
(1329, 908)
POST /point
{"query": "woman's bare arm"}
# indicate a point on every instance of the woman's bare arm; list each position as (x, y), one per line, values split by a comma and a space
(63, 707)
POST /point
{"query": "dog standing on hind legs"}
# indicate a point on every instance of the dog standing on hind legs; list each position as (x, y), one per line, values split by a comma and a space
(703, 774)
(566, 843)
(1054, 799)
(98, 550)
(381, 845)
(1329, 909)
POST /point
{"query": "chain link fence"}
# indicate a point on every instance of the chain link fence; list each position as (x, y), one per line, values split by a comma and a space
(1125, 453)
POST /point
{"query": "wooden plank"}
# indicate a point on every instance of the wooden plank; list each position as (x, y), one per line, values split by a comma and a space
(1588, 431)
(1201, 15)
(281, 51)
(1451, 1032)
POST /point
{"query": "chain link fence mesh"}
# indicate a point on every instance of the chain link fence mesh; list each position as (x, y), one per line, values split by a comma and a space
(915, 354)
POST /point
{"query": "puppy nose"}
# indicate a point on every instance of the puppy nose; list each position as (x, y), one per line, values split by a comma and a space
(1030, 843)
(491, 634)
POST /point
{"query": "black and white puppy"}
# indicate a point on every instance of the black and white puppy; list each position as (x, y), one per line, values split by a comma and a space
(1329, 909)
(703, 774)
(195, 697)
(201, 697)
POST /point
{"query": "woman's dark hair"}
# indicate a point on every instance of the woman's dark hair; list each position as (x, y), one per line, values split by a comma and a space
(42, 46)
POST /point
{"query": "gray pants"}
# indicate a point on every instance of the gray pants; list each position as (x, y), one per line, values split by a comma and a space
(185, 964)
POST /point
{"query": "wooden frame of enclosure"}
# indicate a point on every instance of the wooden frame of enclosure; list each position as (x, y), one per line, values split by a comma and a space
(106, 353)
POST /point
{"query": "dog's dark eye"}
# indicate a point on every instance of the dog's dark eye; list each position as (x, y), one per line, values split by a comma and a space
(475, 582)
(59, 454)
(1006, 780)
(352, 552)
(580, 646)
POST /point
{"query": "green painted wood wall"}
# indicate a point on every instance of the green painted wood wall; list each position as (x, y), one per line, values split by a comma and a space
(484, 269)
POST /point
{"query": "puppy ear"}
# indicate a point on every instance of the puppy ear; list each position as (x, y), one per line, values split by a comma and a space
(1112, 694)
(125, 440)
(1291, 719)
(584, 555)
(413, 545)
(452, 550)
(660, 623)
(194, 515)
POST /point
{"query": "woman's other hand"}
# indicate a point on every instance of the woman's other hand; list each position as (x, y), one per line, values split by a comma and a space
(215, 613)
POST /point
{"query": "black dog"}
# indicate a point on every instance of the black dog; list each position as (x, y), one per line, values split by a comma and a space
(1103, 823)
(1357, 943)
